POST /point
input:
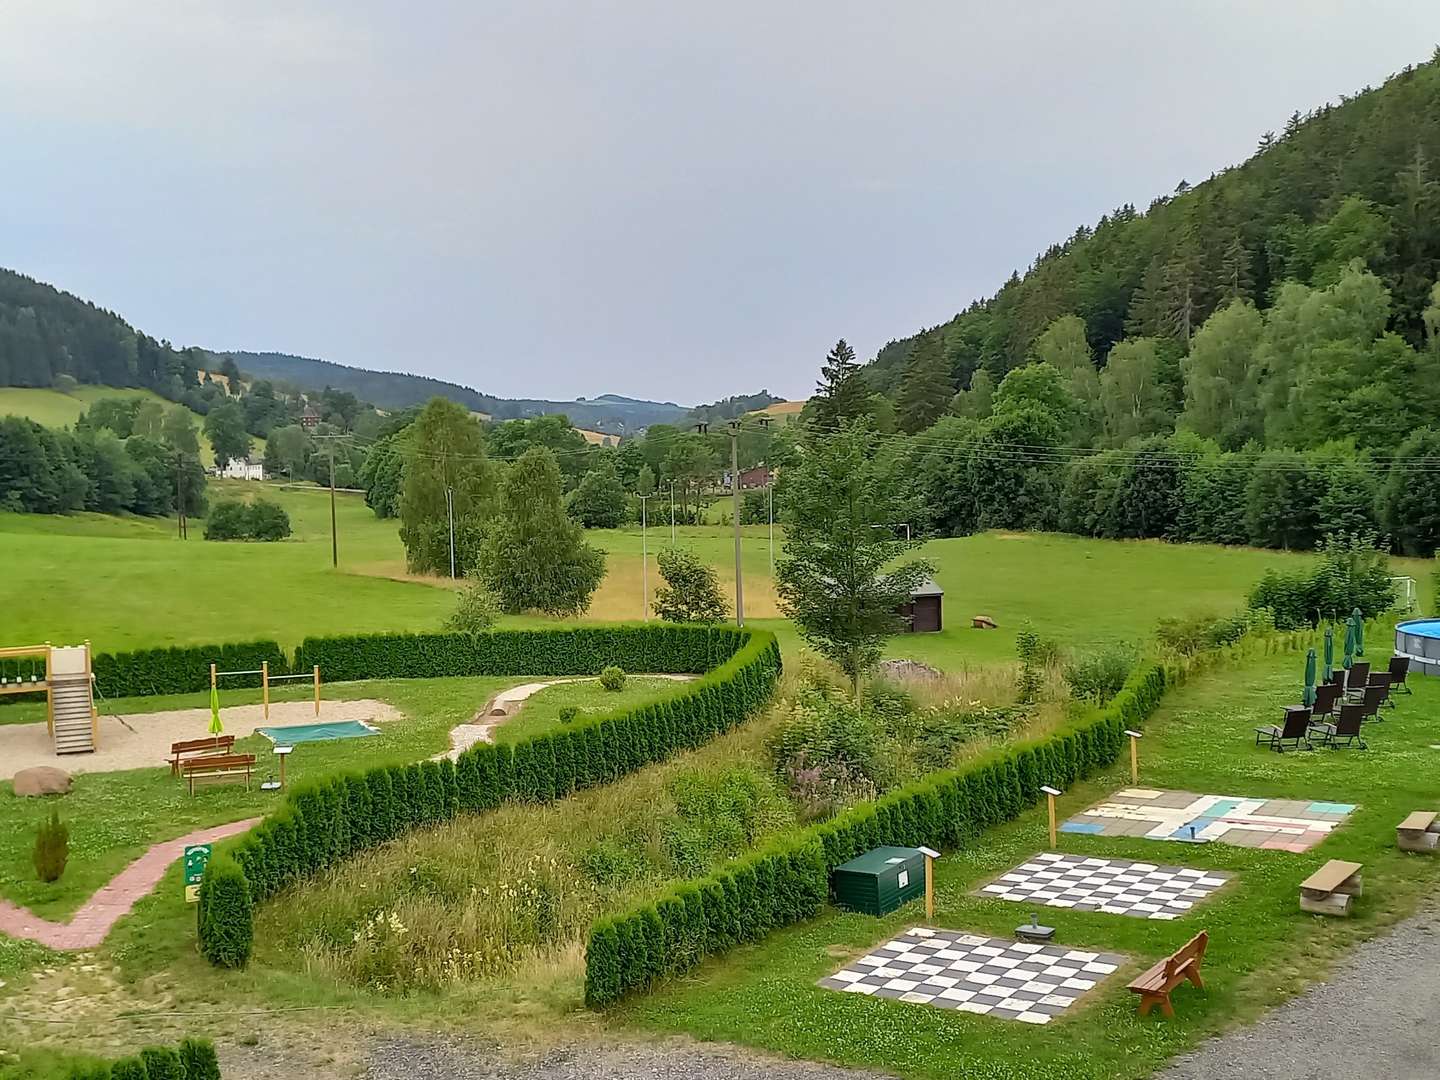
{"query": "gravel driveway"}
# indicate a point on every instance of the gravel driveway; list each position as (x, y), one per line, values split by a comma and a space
(1376, 1017)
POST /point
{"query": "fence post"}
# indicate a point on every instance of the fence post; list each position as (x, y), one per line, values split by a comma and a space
(317, 689)
(265, 687)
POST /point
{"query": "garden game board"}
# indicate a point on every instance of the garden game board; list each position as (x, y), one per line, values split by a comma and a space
(1277, 824)
(1114, 886)
(992, 976)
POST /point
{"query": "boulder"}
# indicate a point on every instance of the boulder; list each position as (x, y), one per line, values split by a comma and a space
(983, 622)
(907, 671)
(42, 780)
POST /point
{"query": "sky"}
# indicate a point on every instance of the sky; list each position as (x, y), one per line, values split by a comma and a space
(677, 201)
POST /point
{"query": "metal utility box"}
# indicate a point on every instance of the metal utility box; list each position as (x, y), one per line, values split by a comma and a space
(879, 881)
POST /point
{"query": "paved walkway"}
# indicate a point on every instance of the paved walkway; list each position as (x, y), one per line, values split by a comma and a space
(88, 926)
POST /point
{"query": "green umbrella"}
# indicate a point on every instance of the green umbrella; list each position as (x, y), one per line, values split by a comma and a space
(1349, 660)
(1359, 621)
(1329, 652)
(215, 726)
(1310, 677)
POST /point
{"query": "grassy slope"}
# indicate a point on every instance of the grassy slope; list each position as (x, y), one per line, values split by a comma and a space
(51, 408)
(1262, 948)
(541, 711)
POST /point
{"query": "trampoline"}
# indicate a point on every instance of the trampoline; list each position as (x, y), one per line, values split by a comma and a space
(1419, 639)
(301, 733)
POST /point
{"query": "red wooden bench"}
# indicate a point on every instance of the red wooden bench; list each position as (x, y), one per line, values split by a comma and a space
(1154, 985)
(219, 768)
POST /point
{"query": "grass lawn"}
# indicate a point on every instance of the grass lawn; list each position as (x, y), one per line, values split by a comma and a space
(1262, 948)
(541, 710)
(114, 817)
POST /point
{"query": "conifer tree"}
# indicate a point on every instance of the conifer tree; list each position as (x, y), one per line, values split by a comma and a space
(927, 389)
(446, 450)
(841, 393)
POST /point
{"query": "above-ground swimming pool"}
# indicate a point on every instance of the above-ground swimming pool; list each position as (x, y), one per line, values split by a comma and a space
(1419, 639)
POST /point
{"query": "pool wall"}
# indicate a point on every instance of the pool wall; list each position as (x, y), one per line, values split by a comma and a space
(1419, 639)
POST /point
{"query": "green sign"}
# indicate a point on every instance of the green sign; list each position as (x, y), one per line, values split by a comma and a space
(196, 858)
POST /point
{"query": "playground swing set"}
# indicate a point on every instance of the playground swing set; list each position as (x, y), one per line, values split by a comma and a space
(68, 686)
(265, 680)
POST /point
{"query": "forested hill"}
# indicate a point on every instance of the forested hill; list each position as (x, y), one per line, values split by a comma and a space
(399, 390)
(1354, 179)
(46, 333)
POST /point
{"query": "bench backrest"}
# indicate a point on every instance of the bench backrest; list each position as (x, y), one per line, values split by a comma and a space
(219, 761)
(1297, 722)
(1399, 668)
(1326, 694)
(1351, 717)
(1194, 949)
(215, 742)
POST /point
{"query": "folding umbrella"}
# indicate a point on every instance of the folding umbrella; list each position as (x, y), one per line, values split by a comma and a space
(1310, 677)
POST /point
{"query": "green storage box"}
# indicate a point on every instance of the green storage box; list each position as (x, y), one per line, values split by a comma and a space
(879, 881)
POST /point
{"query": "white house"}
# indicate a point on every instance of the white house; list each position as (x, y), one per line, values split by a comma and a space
(237, 469)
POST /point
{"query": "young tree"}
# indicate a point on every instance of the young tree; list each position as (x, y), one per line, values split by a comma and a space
(927, 389)
(976, 402)
(287, 450)
(446, 451)
(534, 558)
(599, 502)
(1220, 385)
(1133, 397)
(691, 593)
(225, 427)
(1409, 504)
(837, 579)
(476, 608)
(841, 392)
(1064, 347)
(177, 431)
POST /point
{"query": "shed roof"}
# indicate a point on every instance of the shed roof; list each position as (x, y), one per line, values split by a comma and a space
(879, 860)
(927, 588)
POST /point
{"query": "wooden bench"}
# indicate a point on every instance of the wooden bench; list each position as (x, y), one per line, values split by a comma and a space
(190, 748)
(1418, 832)
(1154, 985)
(1329, 890)
(219, 768)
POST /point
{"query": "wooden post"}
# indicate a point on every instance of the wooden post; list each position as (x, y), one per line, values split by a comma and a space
(1050, 794)
(929, 888)
(49, 694)
(317, 689)
(212, 678)
(265, 687)
(90, 686)
(282, 771)
(1134, 755)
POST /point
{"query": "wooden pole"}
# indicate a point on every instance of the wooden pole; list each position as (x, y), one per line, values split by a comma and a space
(929, 888)
(1134, 760)
(317, 689)
(49, 693)
(212, 678)
(1051, 799)
(265, 687)
(282, 771)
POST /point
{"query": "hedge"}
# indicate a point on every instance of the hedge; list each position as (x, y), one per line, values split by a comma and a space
(788, 881)
(182, 670)
(193, 1059)
(323, 823)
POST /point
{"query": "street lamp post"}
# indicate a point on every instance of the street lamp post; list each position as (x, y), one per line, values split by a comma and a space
(450, 522)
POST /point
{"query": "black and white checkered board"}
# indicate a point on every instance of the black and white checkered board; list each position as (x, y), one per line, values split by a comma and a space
(1009, 979)
(1114, 886)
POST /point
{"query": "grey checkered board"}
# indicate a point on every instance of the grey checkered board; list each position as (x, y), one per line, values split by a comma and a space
(1114, 886)
(1013, 980)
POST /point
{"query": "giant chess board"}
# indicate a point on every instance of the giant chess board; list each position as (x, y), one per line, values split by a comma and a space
(1114, 886)
(1277, 824)
(1012, 980)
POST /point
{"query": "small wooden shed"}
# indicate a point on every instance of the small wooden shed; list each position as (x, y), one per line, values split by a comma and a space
(879, 881)
(922, 614)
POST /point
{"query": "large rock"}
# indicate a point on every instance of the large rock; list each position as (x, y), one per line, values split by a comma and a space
(42, 780)
(907, 671)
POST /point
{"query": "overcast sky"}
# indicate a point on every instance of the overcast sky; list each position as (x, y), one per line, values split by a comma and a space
(669, 200)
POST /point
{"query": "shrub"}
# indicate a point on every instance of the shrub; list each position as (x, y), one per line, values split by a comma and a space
(268, 521)
(691, 592)
(612, 679)
(1030, 650)
(197, 1057)
(225, 915)
(1352, 573)
(52, 848)
(162, 1063)
(232, 519)
(476, 608)
(1190, 634)
(1098, 676)
(131, 1068)
(568, 713)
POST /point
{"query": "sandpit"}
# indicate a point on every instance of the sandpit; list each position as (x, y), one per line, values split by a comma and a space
(24, 745)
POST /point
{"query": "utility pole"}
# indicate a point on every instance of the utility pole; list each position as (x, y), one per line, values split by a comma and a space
(179, 498)
(644, 559)
(770, 511)
(450, 521)
(334, 532)
(672, 513)
(734, 433)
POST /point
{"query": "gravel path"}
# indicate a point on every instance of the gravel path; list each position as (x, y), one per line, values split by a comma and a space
(667, 1059)
(1376, 1018)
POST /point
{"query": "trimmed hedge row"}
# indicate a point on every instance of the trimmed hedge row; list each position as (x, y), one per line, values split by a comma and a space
(788, 881)
(182, 670)
(323, 823)
(193, 1059)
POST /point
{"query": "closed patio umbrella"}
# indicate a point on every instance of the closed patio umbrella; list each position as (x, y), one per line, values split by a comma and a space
(1349, 660)
(216, 727)
(1310, 677)
(1329, 652)
(1359, 621)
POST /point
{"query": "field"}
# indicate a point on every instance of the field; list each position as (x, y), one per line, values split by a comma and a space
(127, 582)
(51, 408)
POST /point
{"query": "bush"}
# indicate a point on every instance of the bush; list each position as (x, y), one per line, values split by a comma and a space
(197, 1056)
(612, 679)
(568, 713)
(162, 1063)
(476, 608)
(1098, 676)
(232, 519)
(225, 916)
(1352, 573)
(52, 848)
(1031, 652)
(691, 592)
(131, 1068)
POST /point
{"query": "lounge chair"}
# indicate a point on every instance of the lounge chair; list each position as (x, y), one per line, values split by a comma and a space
(1382, 683)
(1326, 695)
(1337, 678)
(1357, 678)
(1399, 668)
(1371, 698)
(1347, 727)
(1294, 731)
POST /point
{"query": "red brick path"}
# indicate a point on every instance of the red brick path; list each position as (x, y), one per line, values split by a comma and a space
(88, 926)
